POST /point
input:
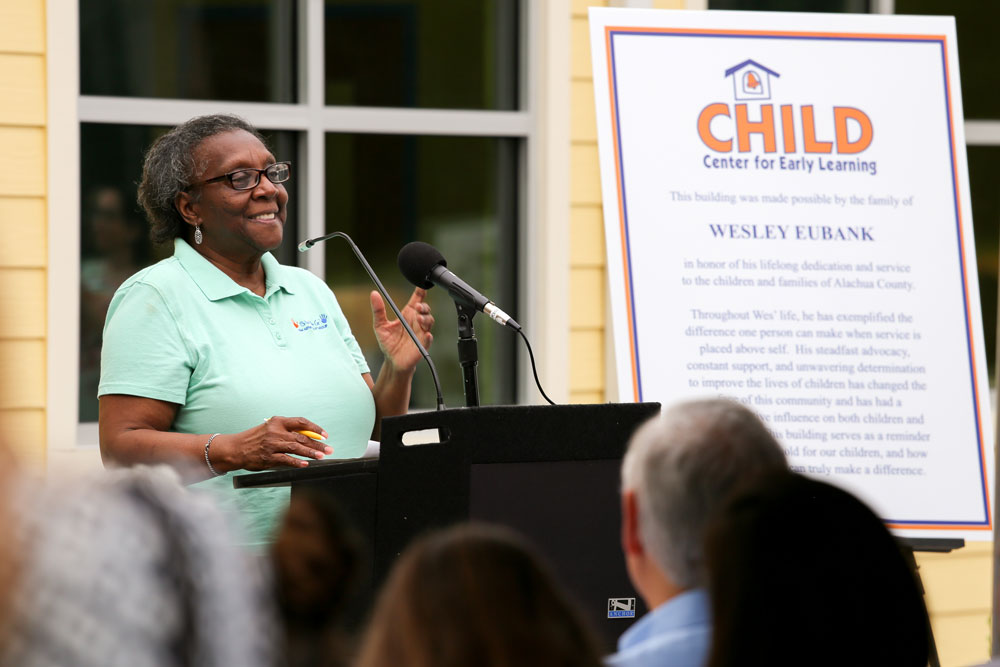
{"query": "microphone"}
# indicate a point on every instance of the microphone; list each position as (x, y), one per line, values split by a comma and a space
(424, 266)
(309, 243)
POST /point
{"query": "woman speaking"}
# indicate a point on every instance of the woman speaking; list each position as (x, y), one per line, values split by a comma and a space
(215, 359)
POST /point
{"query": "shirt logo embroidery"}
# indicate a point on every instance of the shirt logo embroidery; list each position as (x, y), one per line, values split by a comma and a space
(308, 325)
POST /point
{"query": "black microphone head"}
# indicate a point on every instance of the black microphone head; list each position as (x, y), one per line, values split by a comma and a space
(416, 260)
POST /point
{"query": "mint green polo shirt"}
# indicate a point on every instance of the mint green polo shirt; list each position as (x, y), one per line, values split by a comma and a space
(182, 331)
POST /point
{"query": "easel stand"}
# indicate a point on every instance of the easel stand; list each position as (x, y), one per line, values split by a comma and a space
(910, 545)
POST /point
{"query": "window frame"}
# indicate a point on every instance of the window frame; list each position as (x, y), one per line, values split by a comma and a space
(542, 250)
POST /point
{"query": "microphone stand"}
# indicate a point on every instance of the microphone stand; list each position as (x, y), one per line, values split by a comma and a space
(468, 353)
(305, 245)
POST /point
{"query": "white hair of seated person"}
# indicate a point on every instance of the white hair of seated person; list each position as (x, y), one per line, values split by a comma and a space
(680, 466)
(131, 568)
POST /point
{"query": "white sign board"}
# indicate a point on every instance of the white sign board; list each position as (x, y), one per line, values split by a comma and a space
(787, 213)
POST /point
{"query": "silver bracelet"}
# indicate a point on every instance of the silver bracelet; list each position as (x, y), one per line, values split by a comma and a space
(207, 461)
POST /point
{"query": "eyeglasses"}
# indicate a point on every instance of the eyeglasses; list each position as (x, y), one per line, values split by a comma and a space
(248, 179)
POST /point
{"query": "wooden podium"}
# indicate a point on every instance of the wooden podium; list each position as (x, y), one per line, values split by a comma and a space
(549, 472)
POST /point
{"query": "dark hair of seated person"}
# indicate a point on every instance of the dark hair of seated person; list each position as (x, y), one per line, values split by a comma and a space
(317, 559)
(803, 573)
(475, 595)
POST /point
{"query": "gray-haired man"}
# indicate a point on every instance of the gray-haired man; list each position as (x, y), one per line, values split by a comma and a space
(678, 468)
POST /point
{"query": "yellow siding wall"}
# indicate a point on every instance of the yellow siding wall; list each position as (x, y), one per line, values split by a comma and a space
(958, 597)
(22, 228)
(587, 263)
(957, 584)
(588, 315)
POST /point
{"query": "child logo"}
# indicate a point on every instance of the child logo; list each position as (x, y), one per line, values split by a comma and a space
(312, 325)
(751, 80)
(621, 607)
(725, 127)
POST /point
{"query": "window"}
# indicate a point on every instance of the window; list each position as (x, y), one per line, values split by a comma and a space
(455, 193)
(201, 50)
(404, 120)
(114, 235)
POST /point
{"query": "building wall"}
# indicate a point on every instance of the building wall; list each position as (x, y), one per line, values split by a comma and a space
(588, 293)
(23, 226)
(589, 381)
(957, 584)
(959, 596)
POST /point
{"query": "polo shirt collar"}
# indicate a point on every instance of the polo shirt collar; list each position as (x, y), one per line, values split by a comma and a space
(216, 285)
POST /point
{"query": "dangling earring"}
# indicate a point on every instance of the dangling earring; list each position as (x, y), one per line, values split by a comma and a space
(198, 237)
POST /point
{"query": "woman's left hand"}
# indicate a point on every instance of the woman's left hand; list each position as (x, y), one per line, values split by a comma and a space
(396, 345)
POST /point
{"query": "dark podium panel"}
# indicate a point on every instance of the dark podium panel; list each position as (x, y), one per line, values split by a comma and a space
(549, 472)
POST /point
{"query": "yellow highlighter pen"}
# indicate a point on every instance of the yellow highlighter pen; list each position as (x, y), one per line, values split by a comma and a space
(316, 436)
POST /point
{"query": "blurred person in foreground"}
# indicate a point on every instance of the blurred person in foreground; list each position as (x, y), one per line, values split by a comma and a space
(129, 569)
(678, 468)
(803, 573)
(10, 560)
(475, 595)
(221, 356)
(317, 562)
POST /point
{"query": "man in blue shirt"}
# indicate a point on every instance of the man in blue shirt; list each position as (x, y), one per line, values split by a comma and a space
(678, 468)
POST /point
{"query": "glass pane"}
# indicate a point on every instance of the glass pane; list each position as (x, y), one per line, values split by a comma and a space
(977, 50)
(857, 6)
(984, 174)
(189, 49)
(422, 53)
(456, 193)
(114, 234)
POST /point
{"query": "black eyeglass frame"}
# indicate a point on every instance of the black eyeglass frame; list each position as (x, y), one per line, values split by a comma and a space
(233, 173)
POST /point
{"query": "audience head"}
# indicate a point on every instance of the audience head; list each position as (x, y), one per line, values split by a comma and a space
(678, 468)
(801, 572)
(132, 568)
(475, 595)
(317, 559)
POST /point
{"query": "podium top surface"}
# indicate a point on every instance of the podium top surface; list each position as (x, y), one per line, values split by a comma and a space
(315, 471)
(494, 434)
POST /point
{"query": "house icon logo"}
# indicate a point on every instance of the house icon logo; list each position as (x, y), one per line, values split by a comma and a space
(751, 80)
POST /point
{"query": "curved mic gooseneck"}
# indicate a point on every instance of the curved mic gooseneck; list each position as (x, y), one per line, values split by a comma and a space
(309, 243)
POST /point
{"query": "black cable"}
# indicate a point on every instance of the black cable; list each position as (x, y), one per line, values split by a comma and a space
(534, 371)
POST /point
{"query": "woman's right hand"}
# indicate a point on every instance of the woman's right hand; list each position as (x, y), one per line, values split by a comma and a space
(136, 430)
(268, 445)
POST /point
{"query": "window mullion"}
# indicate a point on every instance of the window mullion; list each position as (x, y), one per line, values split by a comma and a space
(169, 113)
(982, 132)
(312, 190)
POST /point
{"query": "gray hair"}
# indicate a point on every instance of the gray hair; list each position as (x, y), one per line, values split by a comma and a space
(681, 465)
(129, 567)
(170, 166)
